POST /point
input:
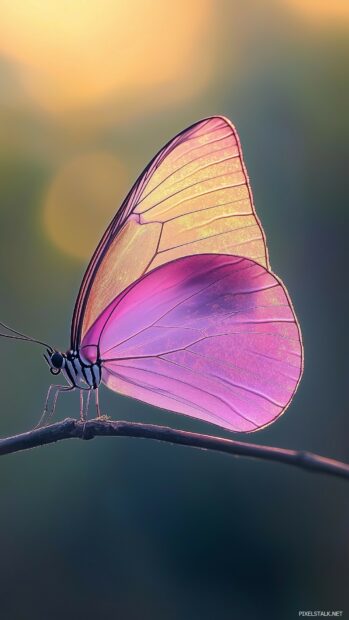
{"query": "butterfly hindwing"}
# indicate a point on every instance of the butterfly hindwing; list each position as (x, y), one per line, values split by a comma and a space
(210, 336)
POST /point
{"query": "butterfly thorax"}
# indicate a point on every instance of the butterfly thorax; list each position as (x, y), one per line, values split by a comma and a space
(77, 371)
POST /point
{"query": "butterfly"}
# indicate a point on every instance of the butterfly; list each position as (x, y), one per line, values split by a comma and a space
(178, 307)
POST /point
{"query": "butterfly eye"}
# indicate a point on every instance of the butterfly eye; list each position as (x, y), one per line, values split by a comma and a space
(57, 360)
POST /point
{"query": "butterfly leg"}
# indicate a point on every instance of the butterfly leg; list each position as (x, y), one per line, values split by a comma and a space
(84, 410)
(45, 410)
(56, 389)
(87, 404)
(99, 415)
(81, 406)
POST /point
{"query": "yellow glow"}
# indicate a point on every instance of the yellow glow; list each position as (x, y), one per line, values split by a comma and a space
(123, 264)
(74, 53)
(321, 10)
(81, 201)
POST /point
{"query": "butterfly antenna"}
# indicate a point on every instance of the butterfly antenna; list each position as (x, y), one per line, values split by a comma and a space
(14, 331)
(20, 336)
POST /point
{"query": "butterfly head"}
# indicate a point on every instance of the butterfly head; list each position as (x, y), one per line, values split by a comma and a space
(55, 360)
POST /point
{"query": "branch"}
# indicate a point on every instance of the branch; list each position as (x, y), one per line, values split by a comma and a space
(70, 428)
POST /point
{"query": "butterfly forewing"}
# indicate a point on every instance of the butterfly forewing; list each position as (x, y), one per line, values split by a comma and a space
(193, 198)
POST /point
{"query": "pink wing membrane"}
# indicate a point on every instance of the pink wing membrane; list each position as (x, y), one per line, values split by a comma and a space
(211, 336)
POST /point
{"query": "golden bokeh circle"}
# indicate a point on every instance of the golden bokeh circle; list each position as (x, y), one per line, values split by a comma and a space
(81, 200)
(322, 12)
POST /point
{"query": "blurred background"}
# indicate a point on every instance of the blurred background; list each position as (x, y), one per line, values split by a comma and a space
(125, 528)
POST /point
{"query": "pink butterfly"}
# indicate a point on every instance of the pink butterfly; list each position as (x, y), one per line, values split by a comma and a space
(178, 306)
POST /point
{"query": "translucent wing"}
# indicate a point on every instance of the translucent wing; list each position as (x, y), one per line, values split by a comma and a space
(210, 336)
(193, 198)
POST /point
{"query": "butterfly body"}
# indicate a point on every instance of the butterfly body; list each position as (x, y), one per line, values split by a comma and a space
(78, 372)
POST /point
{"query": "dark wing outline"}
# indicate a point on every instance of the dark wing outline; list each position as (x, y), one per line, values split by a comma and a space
(129, 203)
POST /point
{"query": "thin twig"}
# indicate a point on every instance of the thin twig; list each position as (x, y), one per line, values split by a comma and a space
(70, 428)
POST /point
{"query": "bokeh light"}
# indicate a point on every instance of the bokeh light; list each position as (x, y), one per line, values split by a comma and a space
(324, 12)
(73, 54)
(81, 200)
